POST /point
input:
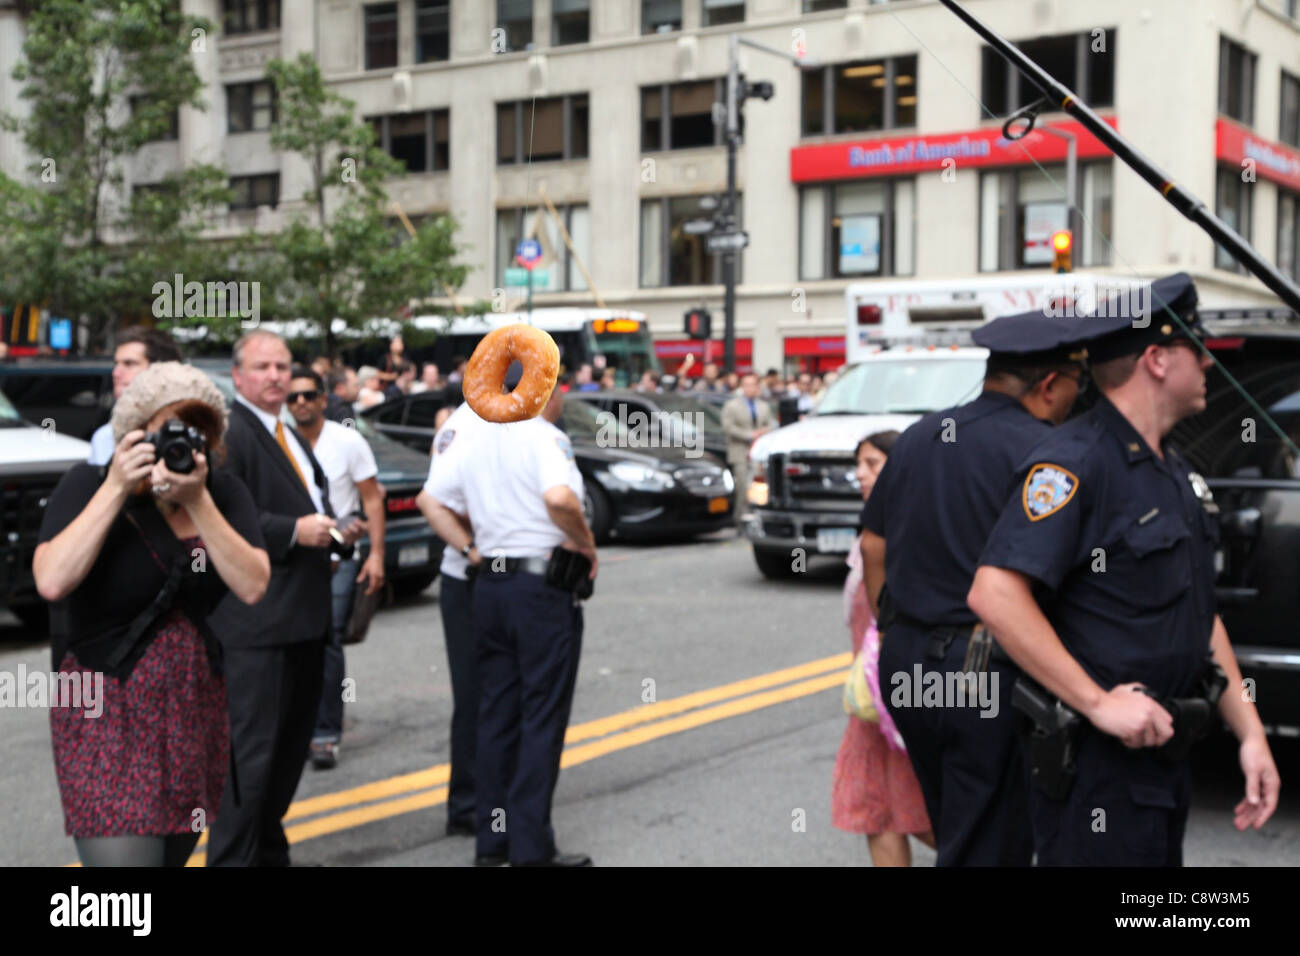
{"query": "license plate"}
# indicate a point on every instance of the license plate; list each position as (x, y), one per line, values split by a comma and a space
(412, 555)
(719, 505)
(835, 539)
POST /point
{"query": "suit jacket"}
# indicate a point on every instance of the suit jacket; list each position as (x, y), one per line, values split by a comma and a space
(739, 426)
(296, 606)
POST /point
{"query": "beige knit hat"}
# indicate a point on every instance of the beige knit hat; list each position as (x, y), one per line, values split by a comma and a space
(159, 385)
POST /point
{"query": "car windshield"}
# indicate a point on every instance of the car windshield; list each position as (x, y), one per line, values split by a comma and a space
(9, 417)
(681, 403)
(903, 386)
(583, 421)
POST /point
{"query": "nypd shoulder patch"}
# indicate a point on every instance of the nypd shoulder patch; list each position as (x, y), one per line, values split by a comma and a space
(444, 439)
(565, 447)
(1048, 489)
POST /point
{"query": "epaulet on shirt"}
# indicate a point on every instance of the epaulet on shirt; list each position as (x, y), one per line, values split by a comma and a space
(1067, 445)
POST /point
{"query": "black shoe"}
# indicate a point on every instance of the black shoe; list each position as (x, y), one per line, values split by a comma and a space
(491, 859)
(325, 755)
(460, 828)
(563, 859)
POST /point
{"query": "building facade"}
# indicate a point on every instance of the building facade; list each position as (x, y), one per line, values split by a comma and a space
(882, 158)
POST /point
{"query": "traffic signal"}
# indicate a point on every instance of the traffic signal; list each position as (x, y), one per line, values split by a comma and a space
(699, 324)
(1062, 246)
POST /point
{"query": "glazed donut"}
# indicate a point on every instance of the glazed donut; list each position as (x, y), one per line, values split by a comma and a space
(485, 374)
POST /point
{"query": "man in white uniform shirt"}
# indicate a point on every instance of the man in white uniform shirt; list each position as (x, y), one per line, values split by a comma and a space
(350, 468)
(517, 487)
(455, 589)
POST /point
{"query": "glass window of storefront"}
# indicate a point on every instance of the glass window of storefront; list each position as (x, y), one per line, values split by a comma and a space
(857, 229)
(1020, 209)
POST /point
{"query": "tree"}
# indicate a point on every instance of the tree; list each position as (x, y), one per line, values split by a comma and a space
(102, 79)
(340, 257)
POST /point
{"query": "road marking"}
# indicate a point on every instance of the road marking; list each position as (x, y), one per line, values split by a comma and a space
(750, 694)
(349, 819)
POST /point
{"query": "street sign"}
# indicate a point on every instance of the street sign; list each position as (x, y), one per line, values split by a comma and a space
(727, 242)
(528, 253)
(697, 227)
(516, 276)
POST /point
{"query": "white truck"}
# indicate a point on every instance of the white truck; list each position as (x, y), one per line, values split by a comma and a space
(909, 353)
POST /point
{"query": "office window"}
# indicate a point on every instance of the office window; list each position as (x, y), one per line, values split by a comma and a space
(570, 22)
(558, 271)
(253, 191)
(432, 31)
(671, 256)
(250, 106)
(516, 18)
(1236, 82)
(718, 12)
(542, 130)
(680, 115)
(857, 229)
(1021, 209)
(661, 16)
(381, 36)
(817, 6)
(1232, 205)
(1083, 62)
(168, 127)
(1289, 122)
(1288, 233)
(860, 97)
(250, 16)
(421, 141)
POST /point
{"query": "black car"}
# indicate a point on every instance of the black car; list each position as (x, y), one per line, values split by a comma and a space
(631, 491)
(76, 394)
(1255, 477)
(676, 416)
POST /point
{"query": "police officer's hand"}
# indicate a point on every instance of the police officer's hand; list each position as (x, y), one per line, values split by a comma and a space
(314, 530)
(1136, 719)
(1262, 784)
(474, 558)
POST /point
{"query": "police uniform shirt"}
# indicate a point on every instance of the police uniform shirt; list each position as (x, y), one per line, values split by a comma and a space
(448, 442)
(938, 496)
(499, 481)
(1121, 546)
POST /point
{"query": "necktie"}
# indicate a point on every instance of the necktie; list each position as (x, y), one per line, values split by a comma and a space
(279, 437)
(753, 412)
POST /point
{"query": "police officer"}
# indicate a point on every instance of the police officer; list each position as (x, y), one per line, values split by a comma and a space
(926, 522)
(521, 493)
(1116, 535)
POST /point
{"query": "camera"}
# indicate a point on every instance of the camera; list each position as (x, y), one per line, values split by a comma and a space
(175, 444)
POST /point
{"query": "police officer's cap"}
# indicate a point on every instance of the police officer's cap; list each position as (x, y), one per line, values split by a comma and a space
(1163, 311)
(1033, 339)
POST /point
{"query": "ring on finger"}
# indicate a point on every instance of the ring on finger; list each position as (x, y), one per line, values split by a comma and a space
(162, 489)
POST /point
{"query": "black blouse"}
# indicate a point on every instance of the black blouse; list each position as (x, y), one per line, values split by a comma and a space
(126, 577)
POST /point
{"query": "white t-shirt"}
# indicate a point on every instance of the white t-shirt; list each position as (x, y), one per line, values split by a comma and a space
(449, 442)
(498, 481)
(102, 445)
(347, 459)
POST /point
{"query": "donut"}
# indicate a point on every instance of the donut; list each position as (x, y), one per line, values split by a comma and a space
(485, 374)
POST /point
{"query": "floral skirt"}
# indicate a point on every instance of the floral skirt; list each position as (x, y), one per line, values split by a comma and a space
(154, 760)
(874, 789)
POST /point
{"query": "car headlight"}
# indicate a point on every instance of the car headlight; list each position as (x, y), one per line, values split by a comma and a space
(728, 482)
(641, 477)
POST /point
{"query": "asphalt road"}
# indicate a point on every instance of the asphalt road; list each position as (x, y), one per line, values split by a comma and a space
(729, 764)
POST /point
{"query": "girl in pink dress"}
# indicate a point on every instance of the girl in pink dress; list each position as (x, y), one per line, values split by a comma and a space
(874, 790)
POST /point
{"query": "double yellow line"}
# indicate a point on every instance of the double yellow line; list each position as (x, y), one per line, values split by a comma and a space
(406, 793)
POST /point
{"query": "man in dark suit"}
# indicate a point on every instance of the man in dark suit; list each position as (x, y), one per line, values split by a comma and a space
(274, 649)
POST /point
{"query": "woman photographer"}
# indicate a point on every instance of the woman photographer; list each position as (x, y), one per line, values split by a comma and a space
(132, 557)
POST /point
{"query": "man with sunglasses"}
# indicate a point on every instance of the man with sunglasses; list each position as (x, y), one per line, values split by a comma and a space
(926, 522)
(350, 468)
(1098, 580)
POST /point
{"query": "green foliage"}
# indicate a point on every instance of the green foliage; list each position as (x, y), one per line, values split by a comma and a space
(69, 238)
(341, 256)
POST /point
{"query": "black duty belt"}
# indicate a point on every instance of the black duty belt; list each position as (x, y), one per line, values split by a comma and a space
(508, 565)
(942, 638)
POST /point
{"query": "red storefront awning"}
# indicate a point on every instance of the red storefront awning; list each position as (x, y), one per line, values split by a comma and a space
(1273, 161)
(815, 345)
(901, 155)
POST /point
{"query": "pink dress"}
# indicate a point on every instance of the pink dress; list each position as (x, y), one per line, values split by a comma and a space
(873, 789)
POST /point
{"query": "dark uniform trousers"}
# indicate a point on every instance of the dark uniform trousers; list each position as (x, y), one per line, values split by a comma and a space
(1126, 808)
(270, 747)
(529, 638)
(970, 767)
(458, 627)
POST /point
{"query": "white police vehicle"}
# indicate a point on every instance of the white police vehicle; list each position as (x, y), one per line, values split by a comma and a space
(909, 353)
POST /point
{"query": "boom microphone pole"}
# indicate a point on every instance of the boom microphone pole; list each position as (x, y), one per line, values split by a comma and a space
(1176, 195)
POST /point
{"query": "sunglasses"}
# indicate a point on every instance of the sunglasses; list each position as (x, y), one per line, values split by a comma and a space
(309, 396)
